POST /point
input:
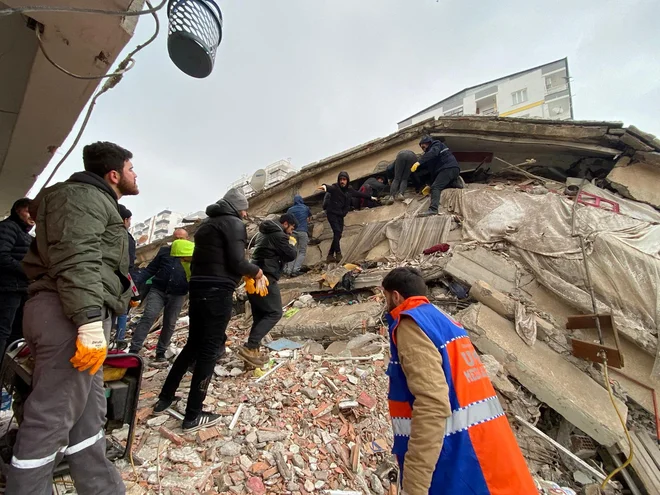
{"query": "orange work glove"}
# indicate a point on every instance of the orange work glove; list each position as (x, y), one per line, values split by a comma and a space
(249, 285)
(91, 348)
(262, 286)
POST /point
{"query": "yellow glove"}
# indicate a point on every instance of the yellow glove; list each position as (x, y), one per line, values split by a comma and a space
(249, 285)
(415, 167)
(292, 240)
(91, 348)
(426, 191)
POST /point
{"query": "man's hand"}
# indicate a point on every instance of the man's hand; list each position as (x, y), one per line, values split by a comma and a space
(292, 240)
(259, 274)
(323, 188)
(415, 167)
(91, 348)
(374, 198)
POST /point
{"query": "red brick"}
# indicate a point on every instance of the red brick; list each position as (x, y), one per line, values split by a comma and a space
(143, 413)
(366, 400)
(259, 467)
(206, 435)
(170, 435)
(269, 473)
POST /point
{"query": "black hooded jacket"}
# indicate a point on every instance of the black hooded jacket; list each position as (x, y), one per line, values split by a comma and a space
(220, 243)
(14, 244)
(272, 250)
(337, 200)
(437, 157)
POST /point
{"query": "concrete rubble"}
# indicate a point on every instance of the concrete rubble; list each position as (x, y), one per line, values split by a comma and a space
(512, 276)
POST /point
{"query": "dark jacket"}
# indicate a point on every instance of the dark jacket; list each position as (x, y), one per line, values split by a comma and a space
(302, 213)
(167, 272)
(132, 247)
(377, 187)
(14, 244)
(220, 243)
(272, 249)
(437, 157)
(81, 248)
(337, 200)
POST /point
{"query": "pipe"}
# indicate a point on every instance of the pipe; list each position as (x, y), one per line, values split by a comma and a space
(653, 395)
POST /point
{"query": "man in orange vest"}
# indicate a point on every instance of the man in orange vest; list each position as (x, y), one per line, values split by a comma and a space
(450, 433)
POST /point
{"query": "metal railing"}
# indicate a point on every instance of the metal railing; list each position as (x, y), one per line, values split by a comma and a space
(490, 112)
(555, 89)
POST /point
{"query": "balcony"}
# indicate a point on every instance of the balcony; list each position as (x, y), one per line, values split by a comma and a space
(549, 90)
(490, 112)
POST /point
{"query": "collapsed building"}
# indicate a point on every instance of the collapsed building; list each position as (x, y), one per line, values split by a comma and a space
(551, 213)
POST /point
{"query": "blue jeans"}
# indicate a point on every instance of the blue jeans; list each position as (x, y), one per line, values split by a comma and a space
(121, 326)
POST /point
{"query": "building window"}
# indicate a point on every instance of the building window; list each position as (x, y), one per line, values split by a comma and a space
(456, 112)
(519, 96)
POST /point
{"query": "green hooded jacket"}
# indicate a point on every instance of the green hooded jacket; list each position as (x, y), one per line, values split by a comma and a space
(81, 248)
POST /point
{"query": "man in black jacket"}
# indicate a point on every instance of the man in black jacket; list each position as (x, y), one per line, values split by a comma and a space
(217, 266)
(374, 187)
(122, 320)
(441, 165)
(273, 249)
(14, 244)
(337, 203)
(169, 287)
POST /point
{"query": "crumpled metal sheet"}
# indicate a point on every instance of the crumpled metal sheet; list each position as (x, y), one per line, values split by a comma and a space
(525, 324)
(417, 234)
(365, 241)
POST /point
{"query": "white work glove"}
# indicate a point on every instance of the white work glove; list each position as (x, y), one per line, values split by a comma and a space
(374, 198)
(322, 188)
(91, 348)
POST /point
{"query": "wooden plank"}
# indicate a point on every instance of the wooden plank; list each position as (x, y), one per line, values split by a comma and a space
(651, 447)
(644, 466)
(588, 321)
(591, 352)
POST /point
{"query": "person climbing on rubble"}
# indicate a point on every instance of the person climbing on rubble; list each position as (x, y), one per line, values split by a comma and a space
(451, 435)
(78, 265)
(403, 163)
(442, 167)
(374, 186)
(167, 295)
(218, 263)
(274, 247)
(303, 216)
(337, 204)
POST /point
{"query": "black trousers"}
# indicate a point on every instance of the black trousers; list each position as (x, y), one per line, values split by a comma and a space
(209, 313)
(266, 312)
(442, 181)
(402, 170)
(337, 225)
(11, 318)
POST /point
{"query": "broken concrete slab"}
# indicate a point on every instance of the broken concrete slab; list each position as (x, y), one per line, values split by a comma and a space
(481, 264)
(637, 181)
(329, 322)
(550, 377)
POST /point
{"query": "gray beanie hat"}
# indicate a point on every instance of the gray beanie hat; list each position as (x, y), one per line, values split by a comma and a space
(237, 199)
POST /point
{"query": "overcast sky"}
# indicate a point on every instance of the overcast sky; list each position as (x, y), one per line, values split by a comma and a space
(304, 79)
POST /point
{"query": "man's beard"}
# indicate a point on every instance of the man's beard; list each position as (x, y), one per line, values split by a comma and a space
(127, 188)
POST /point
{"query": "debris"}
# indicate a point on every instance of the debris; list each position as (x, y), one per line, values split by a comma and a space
(481, 264)
(171, 436)
(271, 436)
(366, 400)
(237, 414)
(282, 363)
(186, 455)
(282, 344)
(157, 421)
(230, 449)
(207, 434)
(348, 404)
(309, 392)
(525, 324)
(438, 248)
(256, 486)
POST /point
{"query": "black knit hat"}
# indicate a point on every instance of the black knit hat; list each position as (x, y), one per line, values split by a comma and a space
(124, 212)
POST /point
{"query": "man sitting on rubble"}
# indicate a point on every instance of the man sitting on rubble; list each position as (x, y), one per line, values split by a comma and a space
(303, 215)
(273, 249)
(337, 204)
(442, 167)
(451, 435)
(168, 293)
(218, 263)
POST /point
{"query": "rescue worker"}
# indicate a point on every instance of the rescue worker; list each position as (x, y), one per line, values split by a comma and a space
(122, 320)
(78, 265)
(218, 263)
(374, 187)
(273, 249)
(441, 165)
(167, 294)
(303, 216)
(451, 435)
(14, 243)
(337, 204)
(403, 163)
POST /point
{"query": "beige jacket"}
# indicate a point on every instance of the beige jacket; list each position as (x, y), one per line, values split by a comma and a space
(422, 365)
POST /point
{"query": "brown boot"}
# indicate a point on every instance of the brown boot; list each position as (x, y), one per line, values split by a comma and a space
(330, 258)
(252, 357)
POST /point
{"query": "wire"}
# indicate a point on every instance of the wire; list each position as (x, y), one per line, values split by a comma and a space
(107, 86)
(623, 423)
(77, 76)
(74, 10)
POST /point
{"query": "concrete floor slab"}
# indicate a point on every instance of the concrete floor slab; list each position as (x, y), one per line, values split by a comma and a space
(551, 378)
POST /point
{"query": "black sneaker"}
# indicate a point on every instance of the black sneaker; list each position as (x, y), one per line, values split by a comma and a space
(204, 420)
(160, 358)
(162, 405)
(428, 213)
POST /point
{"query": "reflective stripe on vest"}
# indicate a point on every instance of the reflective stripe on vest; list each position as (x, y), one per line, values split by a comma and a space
(473, 415)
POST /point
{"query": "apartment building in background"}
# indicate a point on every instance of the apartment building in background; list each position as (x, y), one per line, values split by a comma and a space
(543, 92)
(157, 227)
(275, 173)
